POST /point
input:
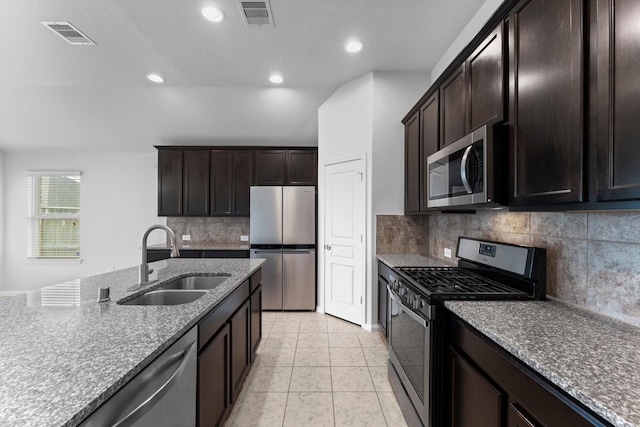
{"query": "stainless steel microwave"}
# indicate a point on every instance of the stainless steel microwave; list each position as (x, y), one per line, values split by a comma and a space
(469, 172)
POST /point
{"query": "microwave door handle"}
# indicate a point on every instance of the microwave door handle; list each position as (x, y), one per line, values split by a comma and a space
(463, 170)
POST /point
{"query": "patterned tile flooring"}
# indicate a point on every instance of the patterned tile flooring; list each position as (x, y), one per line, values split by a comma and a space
(317, 370)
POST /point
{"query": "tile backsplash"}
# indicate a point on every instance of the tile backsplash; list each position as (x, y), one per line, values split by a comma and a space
(593, 259)
(210, 229)
(402, 234)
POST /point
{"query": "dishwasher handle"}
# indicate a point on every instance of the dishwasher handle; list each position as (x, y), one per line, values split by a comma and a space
(158, 394)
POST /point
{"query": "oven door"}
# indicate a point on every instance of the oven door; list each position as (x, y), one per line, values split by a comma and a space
(409, 338)
(456, 174)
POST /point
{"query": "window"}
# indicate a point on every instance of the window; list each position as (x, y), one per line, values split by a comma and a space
(53, 215)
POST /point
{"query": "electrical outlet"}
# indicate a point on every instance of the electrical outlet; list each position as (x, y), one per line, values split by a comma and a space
(447, 252)
(186, 237)
(244, 238)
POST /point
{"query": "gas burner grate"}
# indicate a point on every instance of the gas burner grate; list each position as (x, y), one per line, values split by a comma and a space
(454, 282)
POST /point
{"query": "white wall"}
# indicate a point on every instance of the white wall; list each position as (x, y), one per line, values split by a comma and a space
(345, 131)
(362, 119)
(468, 33)
(118, 201)
(2, 180)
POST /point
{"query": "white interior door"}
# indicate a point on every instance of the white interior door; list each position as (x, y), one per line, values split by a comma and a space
(344, 218)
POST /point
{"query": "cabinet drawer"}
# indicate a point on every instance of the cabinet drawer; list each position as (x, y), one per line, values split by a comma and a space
(213, 321)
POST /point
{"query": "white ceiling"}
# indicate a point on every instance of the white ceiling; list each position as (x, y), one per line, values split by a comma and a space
(55, 95)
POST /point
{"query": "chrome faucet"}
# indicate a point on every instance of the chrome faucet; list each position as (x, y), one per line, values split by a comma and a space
(143, 269)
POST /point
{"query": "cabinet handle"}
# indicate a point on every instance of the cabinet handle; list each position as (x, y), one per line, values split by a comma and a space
(327, 247)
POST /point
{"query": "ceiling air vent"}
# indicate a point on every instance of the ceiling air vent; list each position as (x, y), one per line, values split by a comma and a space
(256, 13)
(68, 32)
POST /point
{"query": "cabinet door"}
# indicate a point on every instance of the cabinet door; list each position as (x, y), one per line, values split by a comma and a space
(196, 182)
(516, 418)
(256, 320)
(412, 164)
(302, 167)
(475, 402)
(485, 75)
(429, 141)
(618, 94)
(453, 107)
(242, 181)
(270, 167)
(213, 381)
(240, 358)
(221, 182)
(382, 303)
(546, 104)
(169, 182)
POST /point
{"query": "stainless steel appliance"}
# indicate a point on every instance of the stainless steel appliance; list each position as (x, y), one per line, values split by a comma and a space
(470, 171)
(486, 271)
(283, 231)
(162, 395)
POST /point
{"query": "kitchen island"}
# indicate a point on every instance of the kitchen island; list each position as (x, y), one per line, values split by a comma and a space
(63, 354)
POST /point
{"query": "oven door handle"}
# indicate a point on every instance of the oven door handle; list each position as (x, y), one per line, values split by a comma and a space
(394, 296)
(463, 170)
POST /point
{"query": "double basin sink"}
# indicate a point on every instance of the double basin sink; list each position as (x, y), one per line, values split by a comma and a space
(179, 291)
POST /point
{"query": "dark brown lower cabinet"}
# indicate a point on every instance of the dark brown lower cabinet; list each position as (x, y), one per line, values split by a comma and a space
(240, 342)
(256, 320)
(226, 337)
(475, 401)
(213, 381)
(488, 386)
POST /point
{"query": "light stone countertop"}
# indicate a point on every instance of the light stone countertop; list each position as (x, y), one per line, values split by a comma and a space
(204, 246)
(60, 362)
(411, 260)
(593, 358)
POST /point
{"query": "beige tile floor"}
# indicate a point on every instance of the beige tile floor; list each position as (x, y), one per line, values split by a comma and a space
(316, 370)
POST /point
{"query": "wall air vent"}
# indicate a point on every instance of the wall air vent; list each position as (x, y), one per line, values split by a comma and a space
(68, 32)
(256, 13)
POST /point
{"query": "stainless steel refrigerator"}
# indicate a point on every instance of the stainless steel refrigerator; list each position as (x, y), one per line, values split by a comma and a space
(283, 231)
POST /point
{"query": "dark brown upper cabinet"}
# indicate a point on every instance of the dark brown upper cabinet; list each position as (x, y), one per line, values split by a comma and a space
(242, 181)
(618, 100)
(286, 167)
(412, 164)
(546, 102)
(195, 182)
(302, 167)
(270, 167)
(486, 73)
(429, 137)
(453, 107)
(231, 179)
(169, 182)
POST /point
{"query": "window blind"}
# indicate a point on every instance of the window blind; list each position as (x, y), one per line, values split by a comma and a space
(53, 215)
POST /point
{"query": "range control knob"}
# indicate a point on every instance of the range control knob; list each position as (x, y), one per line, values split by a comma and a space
(417, 302)
(403, 290)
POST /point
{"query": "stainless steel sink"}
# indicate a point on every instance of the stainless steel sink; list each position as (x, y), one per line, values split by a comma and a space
(196, 282)
(166, 297)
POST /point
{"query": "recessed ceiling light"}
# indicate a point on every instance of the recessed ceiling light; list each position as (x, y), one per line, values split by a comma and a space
(213, 14)
(276, 78)
(156, 78)
(354, 46)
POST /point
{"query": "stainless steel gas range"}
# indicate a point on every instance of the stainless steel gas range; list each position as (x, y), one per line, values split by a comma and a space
(486, 271)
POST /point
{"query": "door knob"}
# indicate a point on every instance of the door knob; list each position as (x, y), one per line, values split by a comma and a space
(327, 247)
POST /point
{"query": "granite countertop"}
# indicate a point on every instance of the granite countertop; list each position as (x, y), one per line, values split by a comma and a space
(62, 354)
(411, 260)
(204, 246)
(593, 358)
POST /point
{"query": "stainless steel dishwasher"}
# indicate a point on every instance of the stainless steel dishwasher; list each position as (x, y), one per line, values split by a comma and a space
(162, 395)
